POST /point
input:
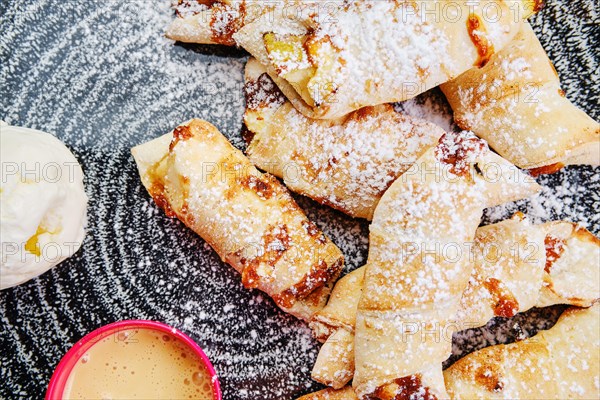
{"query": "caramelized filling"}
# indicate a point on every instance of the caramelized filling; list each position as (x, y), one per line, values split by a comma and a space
(405, 388)
(157, 190)
(546, 170)
(225, 22)
(260, 185)
(456, 151)
(247, 135)
(181, 133)
(275, 242)
(312, 46)
(505, 303)
(319, 275)
(538, 5)
(555, 247)
(489, 378)
(477, 31)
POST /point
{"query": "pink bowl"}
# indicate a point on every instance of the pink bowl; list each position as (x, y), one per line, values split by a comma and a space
(66, 364)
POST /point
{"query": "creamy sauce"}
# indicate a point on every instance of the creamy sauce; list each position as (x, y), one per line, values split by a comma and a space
(139, 364)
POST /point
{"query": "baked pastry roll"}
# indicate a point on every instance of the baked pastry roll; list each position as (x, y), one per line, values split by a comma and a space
(571, 270)
(374, 52)
(515, 103)
(334, 326)
(247, 217)
(418, 267)
(215, 21)
(560, 363)
(518, 266)
(508, 274)
(340, 311)
(348, 163)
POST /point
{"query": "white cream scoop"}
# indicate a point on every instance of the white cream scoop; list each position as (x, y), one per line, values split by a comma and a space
(42, 204)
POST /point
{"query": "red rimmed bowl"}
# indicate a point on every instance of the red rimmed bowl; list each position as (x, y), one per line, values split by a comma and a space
(64, 368)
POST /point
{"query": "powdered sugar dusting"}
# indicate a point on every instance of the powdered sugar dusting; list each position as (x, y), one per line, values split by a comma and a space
(101, 77)
(347, 164)
(186, 8)
(460, 150)
(415, 52)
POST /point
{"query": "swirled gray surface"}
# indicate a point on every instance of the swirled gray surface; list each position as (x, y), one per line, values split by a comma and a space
(100, 76)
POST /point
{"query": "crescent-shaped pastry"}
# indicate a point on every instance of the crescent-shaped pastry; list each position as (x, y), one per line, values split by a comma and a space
(520, 266)
(247, 217)
(418, 266)
(571, 270)
(508, 274)
(517, 266)
(373, 52)
(560, 363)
(347, 164)
(515, 103)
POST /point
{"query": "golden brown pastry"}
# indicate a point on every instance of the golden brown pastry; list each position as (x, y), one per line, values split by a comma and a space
(571, 270)
(340, 311)
(213, 21)
(508, 274)
(517, 266)
(348, 163)
(418, 267)
(248, 218)
(334, 326)
(515, 102)
(561, 363)
(520, 266)
(216, 21)
(366, 53)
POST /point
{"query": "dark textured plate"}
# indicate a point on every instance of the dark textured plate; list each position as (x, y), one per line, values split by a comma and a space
(101, 77)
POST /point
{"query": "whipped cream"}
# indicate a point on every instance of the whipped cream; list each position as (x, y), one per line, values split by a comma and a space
(43, 204)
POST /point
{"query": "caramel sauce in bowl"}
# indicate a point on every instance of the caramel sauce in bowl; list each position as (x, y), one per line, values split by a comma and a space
(135, 360)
